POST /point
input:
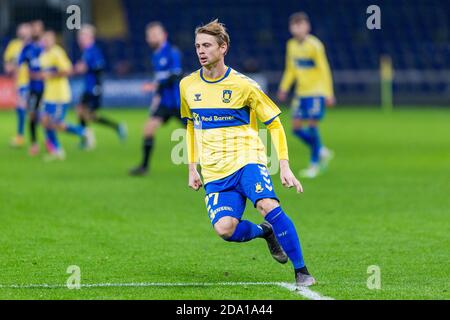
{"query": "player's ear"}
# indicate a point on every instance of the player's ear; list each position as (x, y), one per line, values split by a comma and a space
(224, 48)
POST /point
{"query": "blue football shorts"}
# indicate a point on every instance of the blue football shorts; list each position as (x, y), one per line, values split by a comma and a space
(227, 196)
(309, 108)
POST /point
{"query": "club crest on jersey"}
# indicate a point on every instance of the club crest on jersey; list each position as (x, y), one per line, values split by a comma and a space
(258, 187)
(198, 97)
(226, 96)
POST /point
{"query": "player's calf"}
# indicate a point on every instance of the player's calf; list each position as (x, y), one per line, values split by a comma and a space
(286, 235)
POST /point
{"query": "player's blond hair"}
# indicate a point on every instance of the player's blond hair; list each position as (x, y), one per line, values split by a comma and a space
(217, 30)
(88, 28)
(298, 17)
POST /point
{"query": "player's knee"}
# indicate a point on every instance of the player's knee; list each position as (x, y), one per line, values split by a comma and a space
(225, 227)
(297, 124)
(313, 123)
(45, 121)
(80, 111)
(264, 206)
(91, 115)
(151, 127)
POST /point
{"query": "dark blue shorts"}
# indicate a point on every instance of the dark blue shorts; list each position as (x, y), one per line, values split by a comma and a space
(227, 196)
(91, 101)
(309, 108)
(55, 111)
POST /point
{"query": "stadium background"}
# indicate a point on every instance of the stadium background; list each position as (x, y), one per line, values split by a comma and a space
(414, 33)
(383, 201)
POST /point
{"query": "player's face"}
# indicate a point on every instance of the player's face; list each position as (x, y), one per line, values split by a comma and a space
(300, 29)
(155, 37)
(208, 50)
(48, 40)
(24, 32)
(85, 39)
(37, 29)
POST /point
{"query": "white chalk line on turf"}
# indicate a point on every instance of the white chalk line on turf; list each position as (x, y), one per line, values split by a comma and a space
(303, 291)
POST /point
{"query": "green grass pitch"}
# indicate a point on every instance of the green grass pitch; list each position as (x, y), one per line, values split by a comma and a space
(384, 201)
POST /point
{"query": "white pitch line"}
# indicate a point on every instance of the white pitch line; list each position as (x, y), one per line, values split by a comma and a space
(303, 291)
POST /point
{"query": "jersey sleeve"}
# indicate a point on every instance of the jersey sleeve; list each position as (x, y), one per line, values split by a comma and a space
(324, 68)
(184, 107)
(279, 138)
(192, 152)
(62, 62)
(9, 56)
(266, 110)
(289, 71)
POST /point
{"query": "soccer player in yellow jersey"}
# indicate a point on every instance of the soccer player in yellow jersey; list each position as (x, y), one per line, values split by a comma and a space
(307, 65)
(11, 57)
(221, 107)
(56, 68)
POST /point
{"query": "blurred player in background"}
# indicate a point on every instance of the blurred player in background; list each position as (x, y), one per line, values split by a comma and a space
(30, 56)
(307, 65)
(56, 68)
(166, 62)
(92, 65)
(222, 107)
(20, 73)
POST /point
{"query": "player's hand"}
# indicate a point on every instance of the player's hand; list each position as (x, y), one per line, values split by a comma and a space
(287, 177)
(282, 95)
(10, 69)
(330, 101)
(34, 75)
(195, 182)
(80, 67)
(45, 75)
(149, 87)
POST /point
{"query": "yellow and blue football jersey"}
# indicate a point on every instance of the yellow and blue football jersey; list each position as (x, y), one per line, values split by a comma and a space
(11, 55)
(307, 65)
(224, 113)
(57, 89)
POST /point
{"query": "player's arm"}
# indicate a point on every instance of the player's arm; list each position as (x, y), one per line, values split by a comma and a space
(93, 62)
(10, 67)
(9, 61)
(268, 113)
(279, 140)
(288, 76)
(63, 68)
(167, 78)
(175, 72)
(195, 182)
(324, 69)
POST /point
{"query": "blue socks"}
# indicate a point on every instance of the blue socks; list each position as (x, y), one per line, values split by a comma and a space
(21, 112)
(246, 231)
(286, 235)
(311, 137)
(52, 138)
(75, 129)
(315, 144)
(303, 134)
